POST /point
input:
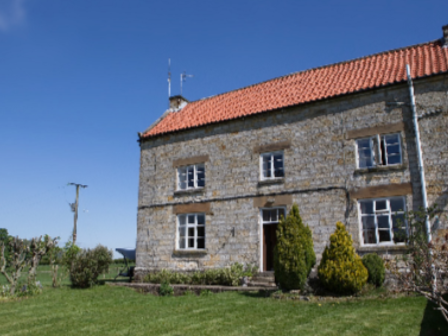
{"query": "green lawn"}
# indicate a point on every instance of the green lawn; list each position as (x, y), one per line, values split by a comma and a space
(45, 277)
(106, 310)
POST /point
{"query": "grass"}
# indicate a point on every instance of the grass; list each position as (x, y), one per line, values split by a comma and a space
(44, 275)
(106, 310)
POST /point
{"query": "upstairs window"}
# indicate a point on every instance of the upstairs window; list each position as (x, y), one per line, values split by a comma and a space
(384, 150)
(191, 231)
(271, 165)
(382, 221)
(191, 177)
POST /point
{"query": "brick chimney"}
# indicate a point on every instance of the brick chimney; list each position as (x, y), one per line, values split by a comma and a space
(445, 35)
(177, 103)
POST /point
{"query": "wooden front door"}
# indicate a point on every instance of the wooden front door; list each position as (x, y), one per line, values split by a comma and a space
(269, 241)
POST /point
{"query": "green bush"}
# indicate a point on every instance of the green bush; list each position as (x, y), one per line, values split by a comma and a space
(87, 264)
(229, 276)
(165, 289)
(294, 255)
(341, 269)
(375, 267)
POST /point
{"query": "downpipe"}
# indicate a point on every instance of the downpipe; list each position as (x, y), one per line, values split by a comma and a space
(421, 170)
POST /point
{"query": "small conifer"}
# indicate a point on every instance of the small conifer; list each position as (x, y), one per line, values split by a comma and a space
(341, 270)
(294, 255)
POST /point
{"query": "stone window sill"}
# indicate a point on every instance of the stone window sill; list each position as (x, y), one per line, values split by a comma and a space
(280, 180)
(383, 248)
(190, 252)
(189, 192)
(381, 169)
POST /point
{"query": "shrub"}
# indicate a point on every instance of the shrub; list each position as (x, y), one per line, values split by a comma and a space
(165, 289)
(341, 269)
(87, 264)
(294, 254)
(229, 276)
(375, 267)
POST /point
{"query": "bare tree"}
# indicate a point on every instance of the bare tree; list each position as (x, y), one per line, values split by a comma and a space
(424, 268)
(23, 255)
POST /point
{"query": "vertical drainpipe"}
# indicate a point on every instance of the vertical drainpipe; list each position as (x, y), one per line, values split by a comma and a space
(421, 169)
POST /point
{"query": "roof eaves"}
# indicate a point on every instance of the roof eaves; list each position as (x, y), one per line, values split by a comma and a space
(146, 136)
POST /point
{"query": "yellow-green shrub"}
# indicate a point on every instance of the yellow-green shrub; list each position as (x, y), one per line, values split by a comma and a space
(341, 270)
(294, 255)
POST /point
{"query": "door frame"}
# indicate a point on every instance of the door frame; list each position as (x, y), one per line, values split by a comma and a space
(261, 233)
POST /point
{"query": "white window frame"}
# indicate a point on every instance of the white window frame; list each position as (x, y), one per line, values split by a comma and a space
(376, 213)
(377, 145)
(262, 223)
(271, 155)
(188, 226)
(196, 168)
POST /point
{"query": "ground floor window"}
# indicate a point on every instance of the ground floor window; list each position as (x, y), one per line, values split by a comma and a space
(382, 221)
(191, 231)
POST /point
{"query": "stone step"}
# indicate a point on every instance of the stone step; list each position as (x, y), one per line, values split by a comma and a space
(264, 280)
(269, 274)
(262, 284)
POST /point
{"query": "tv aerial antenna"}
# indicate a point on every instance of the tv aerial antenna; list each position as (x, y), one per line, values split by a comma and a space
(183, 78)
(169, 77)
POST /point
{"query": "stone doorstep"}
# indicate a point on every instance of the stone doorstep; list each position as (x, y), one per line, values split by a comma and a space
(262, 284)
(180, 289)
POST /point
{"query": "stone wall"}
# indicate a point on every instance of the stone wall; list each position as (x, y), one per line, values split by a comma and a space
(320, 173)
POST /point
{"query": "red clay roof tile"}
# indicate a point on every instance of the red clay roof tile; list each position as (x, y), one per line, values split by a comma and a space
(307, 86)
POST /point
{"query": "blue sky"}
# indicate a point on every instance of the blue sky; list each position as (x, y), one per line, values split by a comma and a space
(79, 79)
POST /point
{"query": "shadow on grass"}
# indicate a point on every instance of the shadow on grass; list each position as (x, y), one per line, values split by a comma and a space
(257, 294)
(104, 281)
(433, 323)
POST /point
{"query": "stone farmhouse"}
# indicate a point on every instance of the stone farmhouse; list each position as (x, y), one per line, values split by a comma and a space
(340, 141)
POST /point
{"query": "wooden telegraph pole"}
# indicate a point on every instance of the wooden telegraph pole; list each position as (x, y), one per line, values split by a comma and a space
(75, 209)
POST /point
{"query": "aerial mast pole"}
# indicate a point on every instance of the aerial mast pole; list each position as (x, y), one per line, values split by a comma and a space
(75, 209)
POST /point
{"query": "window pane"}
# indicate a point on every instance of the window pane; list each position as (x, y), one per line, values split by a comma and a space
(191, 232)
(365, 162)
(190, 177)
(200, 169)
(383, 222)
(182, 174)
(182, 230)
(182, 220)
(191, 242)
(369, 236)
(400, 235)
(368, 222)
(366, 207)
(398, 221)
(394, 149)
(384, 236)
(266, 216)
(201, 219)
(391, 139)
(201, 243)
(397, 204)
(274, 215)
(267, 166)
(363, 143)
(394, 159)
(281, 212)
(201, 231)
(191, 219)
(381, 205)
(182, 243)
(278, 165)
(364, 152)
